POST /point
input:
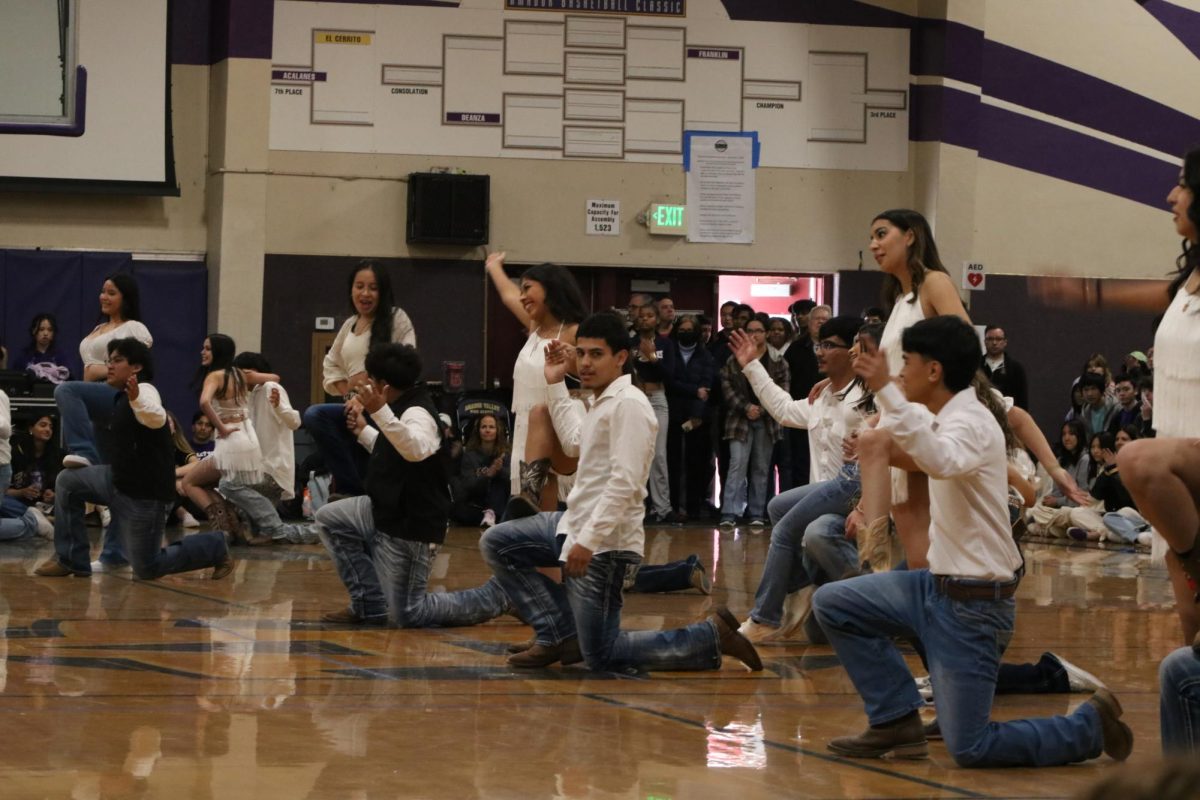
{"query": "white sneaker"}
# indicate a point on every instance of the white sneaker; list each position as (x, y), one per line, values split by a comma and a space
(187, 520)
(756, 632)
(105, 517)
(101, 566)
(45, 528)
(1146, 539)
(75, 462)
(1079, 679)
(925, 687)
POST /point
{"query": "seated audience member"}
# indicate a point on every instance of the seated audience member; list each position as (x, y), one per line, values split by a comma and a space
(480, 490)
(1072, 454)
(139, 485)
(874, 315)
(42, 357)
(1097, 364)
(1128, 409)
(204, 436)
(1136, 365)
(384, 542)
(1076, 409)
(1098, 409)
(34, 466)
(751, 434)
(689, 419)
(274, 422)
(1145, 422)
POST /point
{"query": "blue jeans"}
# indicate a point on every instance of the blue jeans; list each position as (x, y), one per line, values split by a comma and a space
(344, 457)
(263, 515)
(17, 520)
(514, 550)
(791, 515)
(1127, 526)
(82, 405)
(388, 575)
(963, 640)
(1179, 702)
(749, 460)
(828, 554)
(139, 524)
(590, 605)
(654, 578)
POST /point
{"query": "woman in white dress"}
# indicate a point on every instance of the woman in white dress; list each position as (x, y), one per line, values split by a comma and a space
(79, 402)
(916, 286)
(375, 319)
(549, 305)
(225, 400)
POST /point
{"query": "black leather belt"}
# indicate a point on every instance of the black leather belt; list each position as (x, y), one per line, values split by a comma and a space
(966, 589)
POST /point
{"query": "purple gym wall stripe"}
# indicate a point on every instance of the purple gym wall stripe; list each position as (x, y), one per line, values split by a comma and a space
(241, 29)
(1042, 85)
(189, 32)
(1183, 23)
(947, 49)
(945, 115)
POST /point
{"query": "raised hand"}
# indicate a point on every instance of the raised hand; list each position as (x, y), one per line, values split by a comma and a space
(871, 365)
(557, 361)
(742, 346)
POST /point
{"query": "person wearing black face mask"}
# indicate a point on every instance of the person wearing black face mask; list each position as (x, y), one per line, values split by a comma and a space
(689, 448)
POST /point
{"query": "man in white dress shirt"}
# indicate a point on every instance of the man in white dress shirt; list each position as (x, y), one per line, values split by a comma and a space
(962, 606)
(599, 538)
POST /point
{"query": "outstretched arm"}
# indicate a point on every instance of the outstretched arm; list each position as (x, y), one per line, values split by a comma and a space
(509, 293)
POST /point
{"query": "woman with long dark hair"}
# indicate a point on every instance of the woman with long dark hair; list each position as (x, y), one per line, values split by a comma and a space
(374, 319)
(549, 305)
(224, 399)
(81, 402)
(34, 466)
(42, 357)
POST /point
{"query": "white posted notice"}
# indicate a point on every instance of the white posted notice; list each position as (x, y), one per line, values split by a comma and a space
(720, 189)
(603, 218)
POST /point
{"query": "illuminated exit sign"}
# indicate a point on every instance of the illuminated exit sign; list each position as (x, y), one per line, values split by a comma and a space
(667, 220)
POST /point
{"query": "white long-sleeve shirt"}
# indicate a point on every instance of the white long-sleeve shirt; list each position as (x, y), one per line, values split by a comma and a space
(961, 449)
(414, 433)
(274, 426)
(829, 419)
(614, 440)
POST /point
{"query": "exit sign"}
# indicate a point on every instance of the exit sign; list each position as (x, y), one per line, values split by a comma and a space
(667, 219)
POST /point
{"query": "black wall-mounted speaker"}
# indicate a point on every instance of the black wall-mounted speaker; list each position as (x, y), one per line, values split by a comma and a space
(448, 209)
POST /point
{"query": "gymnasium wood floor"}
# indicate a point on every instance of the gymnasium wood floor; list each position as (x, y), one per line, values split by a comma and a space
(190, 688)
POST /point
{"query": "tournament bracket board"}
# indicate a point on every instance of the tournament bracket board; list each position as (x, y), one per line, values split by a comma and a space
(482, 80)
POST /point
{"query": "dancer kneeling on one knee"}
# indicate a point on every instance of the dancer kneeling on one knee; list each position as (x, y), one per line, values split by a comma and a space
(599, 538)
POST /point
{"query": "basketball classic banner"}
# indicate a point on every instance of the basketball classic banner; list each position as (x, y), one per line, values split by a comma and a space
(651, 8)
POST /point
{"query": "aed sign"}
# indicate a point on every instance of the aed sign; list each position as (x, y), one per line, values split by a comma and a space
(603, 218)
(666, 219)
(973, 276)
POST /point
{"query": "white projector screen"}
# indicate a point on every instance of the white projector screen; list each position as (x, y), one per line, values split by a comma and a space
(113, 126)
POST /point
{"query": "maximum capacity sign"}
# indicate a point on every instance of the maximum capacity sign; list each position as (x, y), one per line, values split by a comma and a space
(603, 218)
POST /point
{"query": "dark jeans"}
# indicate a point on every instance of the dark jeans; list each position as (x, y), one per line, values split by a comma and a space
(690, 465)
(345, 458)
(140, 524)
(657, 578)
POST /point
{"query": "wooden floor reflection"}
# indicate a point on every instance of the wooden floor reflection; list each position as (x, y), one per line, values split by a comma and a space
(189, 688)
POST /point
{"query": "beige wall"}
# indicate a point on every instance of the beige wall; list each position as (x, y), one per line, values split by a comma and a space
(808, 220)
(113, 222)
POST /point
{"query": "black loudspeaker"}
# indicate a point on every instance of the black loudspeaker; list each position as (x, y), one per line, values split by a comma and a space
(448, 209)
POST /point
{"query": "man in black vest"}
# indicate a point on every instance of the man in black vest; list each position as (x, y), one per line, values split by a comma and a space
(138, 485)
(384, 542)
(1002, 370)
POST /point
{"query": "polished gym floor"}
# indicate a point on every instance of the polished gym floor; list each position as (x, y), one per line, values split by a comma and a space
(192, 688)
